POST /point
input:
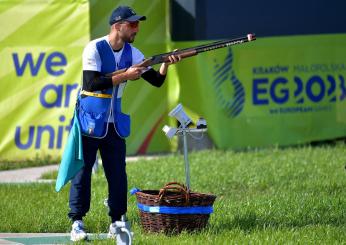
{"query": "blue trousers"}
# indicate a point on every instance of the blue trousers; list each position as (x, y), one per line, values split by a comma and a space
(113, 152)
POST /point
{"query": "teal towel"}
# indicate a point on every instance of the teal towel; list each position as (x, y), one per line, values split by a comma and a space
(72, 160)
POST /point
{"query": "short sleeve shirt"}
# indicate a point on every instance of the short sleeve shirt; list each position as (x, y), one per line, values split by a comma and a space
(91, 57)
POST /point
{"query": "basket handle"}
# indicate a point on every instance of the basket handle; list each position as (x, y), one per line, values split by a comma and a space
(177, 184)
(175, 187)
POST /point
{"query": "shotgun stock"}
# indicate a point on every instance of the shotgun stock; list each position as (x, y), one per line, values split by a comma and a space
(188, 52)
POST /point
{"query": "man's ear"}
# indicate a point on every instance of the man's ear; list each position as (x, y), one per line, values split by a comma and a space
(115, 26)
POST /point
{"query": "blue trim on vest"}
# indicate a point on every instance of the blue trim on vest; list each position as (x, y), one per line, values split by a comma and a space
(176, 210)
(93, 111)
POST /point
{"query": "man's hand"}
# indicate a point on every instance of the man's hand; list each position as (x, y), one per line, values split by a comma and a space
(172, 60)
(134, 73)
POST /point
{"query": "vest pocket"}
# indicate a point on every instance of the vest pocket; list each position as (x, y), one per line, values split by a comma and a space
(92, 123)
(122, 124)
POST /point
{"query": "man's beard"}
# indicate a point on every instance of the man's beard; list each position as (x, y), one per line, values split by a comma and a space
(130, 39)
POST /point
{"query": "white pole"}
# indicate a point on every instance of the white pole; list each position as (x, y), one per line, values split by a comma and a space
(187, 167)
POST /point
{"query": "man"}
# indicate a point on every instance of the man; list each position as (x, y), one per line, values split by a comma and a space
(104, 127)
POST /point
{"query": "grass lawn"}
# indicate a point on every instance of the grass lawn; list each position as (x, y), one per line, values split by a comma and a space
(275, 196)
(35, 162)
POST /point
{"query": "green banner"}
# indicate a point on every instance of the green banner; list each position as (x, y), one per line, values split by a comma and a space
(280, 90)
(276, 90)
(41, 45)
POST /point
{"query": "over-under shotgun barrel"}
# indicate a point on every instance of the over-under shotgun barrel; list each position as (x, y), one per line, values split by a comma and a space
(188, 52)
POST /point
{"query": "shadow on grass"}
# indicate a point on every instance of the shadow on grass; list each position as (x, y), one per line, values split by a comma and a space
(250, 222)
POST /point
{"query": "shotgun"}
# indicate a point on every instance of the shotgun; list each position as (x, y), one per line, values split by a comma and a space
(188, 52)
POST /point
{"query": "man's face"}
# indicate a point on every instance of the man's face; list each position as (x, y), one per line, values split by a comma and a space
(128, 30)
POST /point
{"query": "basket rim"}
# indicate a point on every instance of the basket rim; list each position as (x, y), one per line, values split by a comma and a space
(191, 193)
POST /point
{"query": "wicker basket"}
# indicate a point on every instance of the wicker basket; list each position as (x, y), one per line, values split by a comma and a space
(173, 195)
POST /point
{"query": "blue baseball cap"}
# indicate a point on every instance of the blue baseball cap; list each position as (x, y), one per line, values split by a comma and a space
(124, 13)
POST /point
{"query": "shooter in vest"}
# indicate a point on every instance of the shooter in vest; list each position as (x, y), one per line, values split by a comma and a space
(104, 126)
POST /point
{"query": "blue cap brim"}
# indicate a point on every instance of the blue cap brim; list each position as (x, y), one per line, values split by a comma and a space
(136, 18)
